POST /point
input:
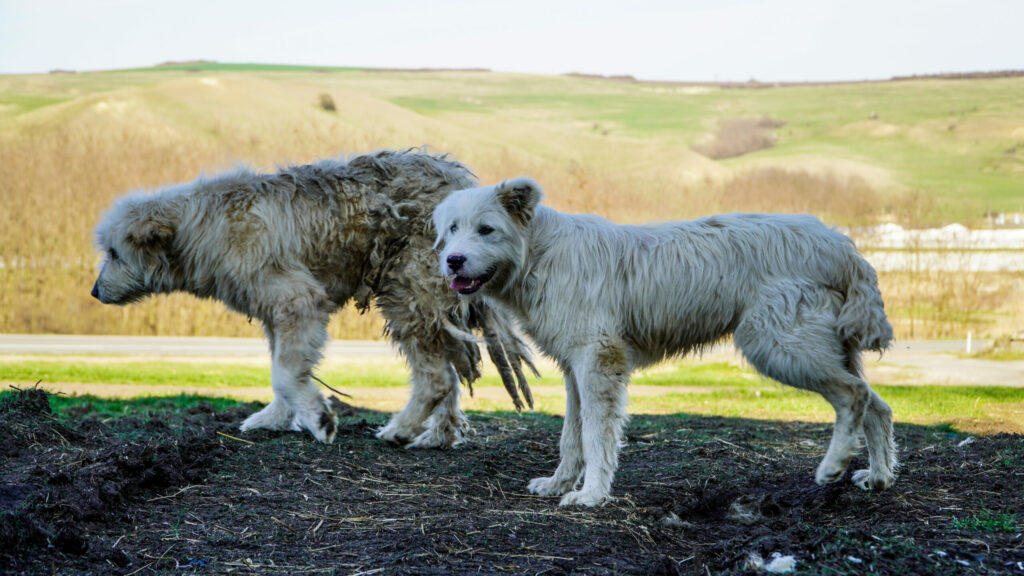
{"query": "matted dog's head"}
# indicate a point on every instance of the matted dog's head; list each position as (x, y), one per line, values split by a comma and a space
(135, 235)
(482, 233)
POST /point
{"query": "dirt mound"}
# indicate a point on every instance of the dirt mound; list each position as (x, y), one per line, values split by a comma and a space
(181, 491)
(63, 480)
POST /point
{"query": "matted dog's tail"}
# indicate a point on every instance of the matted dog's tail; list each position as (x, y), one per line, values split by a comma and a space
(862, 320)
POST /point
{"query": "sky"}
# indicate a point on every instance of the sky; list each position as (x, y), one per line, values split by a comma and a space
(723, 40)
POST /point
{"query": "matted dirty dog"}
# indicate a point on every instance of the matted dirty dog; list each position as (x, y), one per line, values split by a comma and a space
(603, 299)
(291, 247)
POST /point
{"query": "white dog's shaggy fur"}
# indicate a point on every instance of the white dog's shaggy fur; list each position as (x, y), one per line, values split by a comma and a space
(603, 299)
(291, 247)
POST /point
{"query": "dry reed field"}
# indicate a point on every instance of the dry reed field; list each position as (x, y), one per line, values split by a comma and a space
(70, 143)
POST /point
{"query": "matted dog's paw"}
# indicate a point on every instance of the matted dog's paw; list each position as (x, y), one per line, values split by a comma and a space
(273, 416)
(441, 437)
(548, 487)
(865, 480)
(321, 422)
(442, 431)
(584, 498)
(395, 434)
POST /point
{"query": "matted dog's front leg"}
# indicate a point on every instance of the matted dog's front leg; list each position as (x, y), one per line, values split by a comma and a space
(297, 336)
(602, 386)
(277, 415)
(570, 448)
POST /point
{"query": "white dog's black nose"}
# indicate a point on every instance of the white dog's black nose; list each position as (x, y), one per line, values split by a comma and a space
(455, 261)
(95, 291)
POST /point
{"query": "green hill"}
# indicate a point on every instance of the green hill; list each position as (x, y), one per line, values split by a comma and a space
(918, 152)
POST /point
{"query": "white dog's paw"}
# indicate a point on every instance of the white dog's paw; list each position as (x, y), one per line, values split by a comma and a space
(320, 421)
(829, 472)
(274, 416)
(866, 480)
(584, 498)
(548, 486)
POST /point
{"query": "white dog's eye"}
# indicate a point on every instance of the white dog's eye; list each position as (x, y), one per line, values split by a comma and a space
(454, 228)
(112, 253)
(484, 230)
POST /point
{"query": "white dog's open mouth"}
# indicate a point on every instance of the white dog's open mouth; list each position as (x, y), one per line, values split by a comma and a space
(465, 285)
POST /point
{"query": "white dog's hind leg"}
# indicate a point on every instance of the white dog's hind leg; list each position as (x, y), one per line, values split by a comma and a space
(601, 376)
(433, 383)
(570, 447)
(877, 431)
(849, 398)
(790, 336)
(881, 447)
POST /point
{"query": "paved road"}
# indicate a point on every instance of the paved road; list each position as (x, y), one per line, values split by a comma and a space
(918, 362)
(172, 346)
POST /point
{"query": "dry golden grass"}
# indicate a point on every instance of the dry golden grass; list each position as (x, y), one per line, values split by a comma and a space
(836, 199)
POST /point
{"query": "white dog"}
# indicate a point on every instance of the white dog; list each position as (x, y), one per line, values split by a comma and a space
(291, 247)
(603, 299)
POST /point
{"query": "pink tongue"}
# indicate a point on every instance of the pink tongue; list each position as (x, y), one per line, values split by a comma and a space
(460, 283)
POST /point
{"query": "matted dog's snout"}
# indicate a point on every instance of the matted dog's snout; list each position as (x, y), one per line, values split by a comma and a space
(455, 262)
(95, 291)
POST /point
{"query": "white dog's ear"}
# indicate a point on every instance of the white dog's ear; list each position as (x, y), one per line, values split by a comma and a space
(150, 226)
(519, 197)
(440, 216)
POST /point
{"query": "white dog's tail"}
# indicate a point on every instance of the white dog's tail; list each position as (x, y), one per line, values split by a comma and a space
(862, 320)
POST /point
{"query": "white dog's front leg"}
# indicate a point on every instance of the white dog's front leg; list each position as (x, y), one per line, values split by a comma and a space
(602, 382)
(571, 463)
(432, 418)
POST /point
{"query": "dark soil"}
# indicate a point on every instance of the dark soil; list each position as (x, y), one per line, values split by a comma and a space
(179, 491)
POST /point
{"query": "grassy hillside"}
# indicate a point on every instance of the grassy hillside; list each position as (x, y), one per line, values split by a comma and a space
(917, 152)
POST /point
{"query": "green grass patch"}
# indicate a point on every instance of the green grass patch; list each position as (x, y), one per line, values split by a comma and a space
(987, 521)
(22, 103)
(113, 407)
(164, 373)
(705, 389)
(1001, 355)
(68, 406)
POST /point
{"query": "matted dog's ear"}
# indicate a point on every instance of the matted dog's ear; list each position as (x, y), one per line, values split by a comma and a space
(150, 227)
(519, 197)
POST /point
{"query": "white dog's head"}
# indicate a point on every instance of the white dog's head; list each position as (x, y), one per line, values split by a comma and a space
(481, 233)
(135, 235)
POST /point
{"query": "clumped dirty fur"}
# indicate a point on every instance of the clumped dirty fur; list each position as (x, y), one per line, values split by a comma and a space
(291, 247)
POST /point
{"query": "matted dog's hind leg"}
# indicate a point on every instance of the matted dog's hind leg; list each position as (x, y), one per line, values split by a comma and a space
(447, 425)
(601, 375)
(570, 448)
(300, 331)
(433, 384)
